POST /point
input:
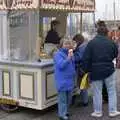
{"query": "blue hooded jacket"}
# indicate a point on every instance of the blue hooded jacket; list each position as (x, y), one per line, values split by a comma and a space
(64, 70)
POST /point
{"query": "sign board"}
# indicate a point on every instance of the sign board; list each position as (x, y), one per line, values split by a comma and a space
(72, 5)
(24, 4)
(18, 4)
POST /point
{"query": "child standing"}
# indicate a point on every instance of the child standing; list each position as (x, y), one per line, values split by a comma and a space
(64, 77)
(81, 44)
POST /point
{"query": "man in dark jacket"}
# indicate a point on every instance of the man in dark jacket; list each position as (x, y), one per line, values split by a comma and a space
(104, 90)
(98, 60)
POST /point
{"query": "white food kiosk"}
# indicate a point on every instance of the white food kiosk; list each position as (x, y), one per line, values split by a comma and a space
(23, 80)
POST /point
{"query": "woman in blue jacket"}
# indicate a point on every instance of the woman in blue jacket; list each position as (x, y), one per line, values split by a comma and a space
(64, 77)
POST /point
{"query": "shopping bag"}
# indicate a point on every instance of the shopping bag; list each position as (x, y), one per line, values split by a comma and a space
(85, 82)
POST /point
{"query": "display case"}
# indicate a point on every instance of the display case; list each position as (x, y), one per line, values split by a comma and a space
(23, 32)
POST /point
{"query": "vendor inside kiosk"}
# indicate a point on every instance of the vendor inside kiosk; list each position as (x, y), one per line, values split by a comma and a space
(26, 67)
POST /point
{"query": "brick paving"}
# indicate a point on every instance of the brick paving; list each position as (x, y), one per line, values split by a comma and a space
(78, 112)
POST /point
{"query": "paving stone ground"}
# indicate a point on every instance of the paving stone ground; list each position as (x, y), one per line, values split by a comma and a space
(78, 112)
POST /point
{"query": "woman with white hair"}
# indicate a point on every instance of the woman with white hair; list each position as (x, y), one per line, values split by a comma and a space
(64, 76)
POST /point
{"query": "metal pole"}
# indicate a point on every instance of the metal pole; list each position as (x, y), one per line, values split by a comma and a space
(81, 17)
(29, 37)
(114, 13)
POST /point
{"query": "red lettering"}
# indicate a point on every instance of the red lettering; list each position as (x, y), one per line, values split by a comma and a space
(1, 2)
(23, 2)
(49, 1)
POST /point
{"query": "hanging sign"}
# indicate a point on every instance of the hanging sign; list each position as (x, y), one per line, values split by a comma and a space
(75, 5)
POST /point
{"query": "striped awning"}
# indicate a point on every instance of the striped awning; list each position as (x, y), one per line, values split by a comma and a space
(62, 5)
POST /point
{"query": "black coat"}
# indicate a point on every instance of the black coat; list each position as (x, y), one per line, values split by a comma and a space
(52, 37)
(98, 57)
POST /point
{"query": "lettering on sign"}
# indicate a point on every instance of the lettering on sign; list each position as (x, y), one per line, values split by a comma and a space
(62, 2)
(57, 2)
(23, 2)
(73, 4)
(16, 4)
(8, 3)
(84, 3)
(1, 2)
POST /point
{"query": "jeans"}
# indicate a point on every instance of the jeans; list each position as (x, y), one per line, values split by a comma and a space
(64, 101)
(110, 83)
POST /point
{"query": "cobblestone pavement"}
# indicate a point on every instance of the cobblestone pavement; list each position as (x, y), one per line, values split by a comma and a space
(78, 112)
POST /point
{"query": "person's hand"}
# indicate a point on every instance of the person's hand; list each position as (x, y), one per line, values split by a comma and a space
(70, 53)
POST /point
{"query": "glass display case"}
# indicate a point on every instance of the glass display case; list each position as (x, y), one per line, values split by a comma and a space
(22, 29)
(19, 35)
(88, 25)
(26, 29)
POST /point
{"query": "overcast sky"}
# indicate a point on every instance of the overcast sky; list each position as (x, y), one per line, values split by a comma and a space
(104, 9)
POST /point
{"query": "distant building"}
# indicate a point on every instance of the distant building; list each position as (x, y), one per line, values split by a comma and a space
(112, 25)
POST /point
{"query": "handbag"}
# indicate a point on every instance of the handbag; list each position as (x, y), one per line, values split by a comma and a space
(85, 82)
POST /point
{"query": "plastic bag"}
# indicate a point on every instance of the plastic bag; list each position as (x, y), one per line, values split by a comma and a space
(85, 82)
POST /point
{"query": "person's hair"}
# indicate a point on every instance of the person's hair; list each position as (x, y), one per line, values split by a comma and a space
(118, 27)
(102, 30)
(65, 40)
(101, 23)
(54, 23)
(78, 38)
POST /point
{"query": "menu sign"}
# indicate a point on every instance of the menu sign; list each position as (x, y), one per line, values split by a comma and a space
(85, 5)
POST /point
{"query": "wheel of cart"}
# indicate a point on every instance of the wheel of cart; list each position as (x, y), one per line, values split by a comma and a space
(9, 108)
(8, 105)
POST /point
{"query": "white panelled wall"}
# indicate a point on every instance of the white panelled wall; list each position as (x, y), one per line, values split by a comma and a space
(4, 42)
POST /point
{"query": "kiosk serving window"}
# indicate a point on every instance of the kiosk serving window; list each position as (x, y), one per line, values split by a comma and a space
(74, 25)
(46, 25)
